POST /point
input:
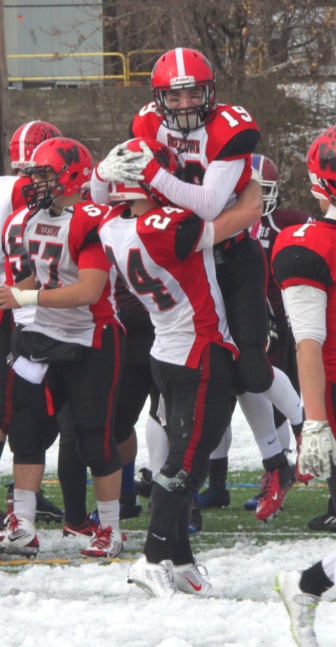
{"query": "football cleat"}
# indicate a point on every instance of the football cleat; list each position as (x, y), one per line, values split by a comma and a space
(251, 504)
(87, 528)
(155, 579)
(302, 478)
(325, 522)
(213, 497)
(300, 606)
(19, 537)
(143, 482)
(275, 486)
(104, 543)
(189, 579)
(46, 510)
(130, 506)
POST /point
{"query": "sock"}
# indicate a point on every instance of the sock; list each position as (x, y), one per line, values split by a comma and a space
(109, 514)
(127, 479)
(283, 395)
(218, 472)
(223, 448)
(315, 581)
(166, 508)
(329, 566)
(181, 547)
(25, 504)
(72, 474)
(284, 435)
(157, 443)
(271, 464)
(258, 412)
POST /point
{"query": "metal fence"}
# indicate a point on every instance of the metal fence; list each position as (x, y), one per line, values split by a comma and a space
(139, 58)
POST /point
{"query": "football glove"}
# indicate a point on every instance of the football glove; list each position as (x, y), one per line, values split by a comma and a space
(121, 165)
(318, 449)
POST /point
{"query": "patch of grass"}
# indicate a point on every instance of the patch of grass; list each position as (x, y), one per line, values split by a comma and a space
(224, 527)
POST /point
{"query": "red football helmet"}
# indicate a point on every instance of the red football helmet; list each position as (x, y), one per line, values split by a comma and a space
(68, 159)
(26, 138)
(178, 69)
(321, 162)
(266, 173)
(121, 191)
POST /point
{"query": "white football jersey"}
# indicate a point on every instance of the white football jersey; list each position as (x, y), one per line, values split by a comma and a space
(166, 259)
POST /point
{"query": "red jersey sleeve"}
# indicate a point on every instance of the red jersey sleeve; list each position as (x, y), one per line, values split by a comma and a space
(84, 243)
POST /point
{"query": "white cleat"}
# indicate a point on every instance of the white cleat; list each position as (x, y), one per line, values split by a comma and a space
(189, 579)
(300, 607)
(105, 542)
(155, 579)
(19, 537)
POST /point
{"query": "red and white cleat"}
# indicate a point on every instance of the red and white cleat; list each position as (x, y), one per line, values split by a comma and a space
(275, 486)
(105, 543)
(19, 537)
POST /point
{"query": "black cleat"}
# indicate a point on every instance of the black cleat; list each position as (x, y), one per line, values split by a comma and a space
(326, 522)
(213, 497)
(130, 506)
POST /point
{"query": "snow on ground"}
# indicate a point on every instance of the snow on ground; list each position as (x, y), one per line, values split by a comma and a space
(93, 606)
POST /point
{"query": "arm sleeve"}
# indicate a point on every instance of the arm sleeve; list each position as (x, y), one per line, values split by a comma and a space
(207, 239)
(99, 189)
(208, 199)
(306, 308)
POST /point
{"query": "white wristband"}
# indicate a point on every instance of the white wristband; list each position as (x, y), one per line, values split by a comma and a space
(25, 297)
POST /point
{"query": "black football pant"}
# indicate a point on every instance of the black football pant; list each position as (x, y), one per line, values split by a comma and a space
(242, 277)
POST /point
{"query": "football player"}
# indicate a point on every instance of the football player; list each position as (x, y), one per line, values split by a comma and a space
(164, 254)
(213, 143)
(73, 349)
(303, 265)
(22, 144)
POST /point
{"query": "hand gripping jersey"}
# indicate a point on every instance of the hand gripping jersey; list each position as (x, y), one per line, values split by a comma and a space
(306, 256)
(156, 255)
(57, 248)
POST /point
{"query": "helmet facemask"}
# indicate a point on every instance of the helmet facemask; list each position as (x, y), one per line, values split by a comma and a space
(187, 119)
(41, 194)
(270, 192)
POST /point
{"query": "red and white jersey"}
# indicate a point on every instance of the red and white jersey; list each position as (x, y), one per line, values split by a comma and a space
(218, 140)
(11, 198)
(215, 159)
(305, 255)
(232, 134)
(165, 257)
(57, 248)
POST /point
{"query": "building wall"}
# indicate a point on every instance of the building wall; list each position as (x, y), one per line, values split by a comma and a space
(98, 117)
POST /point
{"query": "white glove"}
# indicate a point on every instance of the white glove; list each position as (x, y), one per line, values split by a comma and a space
(318, 449)
(121, 165)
